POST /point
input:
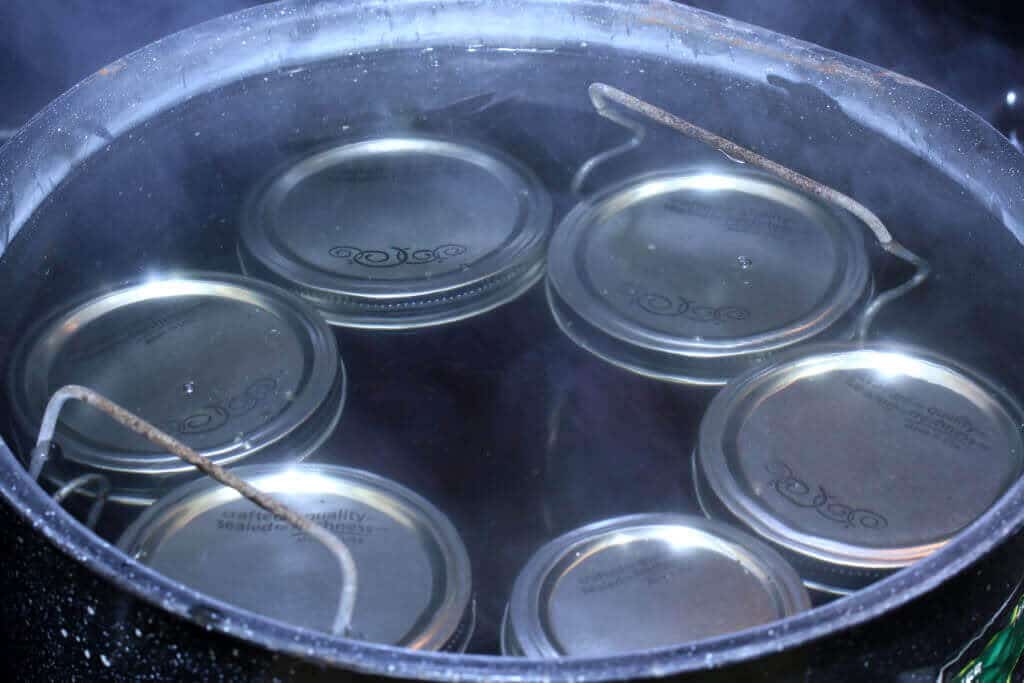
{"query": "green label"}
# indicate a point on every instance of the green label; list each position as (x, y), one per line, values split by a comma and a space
(998, 659)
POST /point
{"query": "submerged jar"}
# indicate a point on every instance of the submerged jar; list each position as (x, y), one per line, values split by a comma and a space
(414, 583)
(235, 368)
(645, 581)
(399, 232)
(693, 275)
(856, 460)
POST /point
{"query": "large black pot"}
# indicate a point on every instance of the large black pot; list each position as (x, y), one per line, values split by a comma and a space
(144, 163)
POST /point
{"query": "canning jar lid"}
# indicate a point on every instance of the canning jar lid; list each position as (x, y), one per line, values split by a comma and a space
(645, 581)
(694, 275)
(229, 365)
(857, 460)
(413, 573)
(399, 232)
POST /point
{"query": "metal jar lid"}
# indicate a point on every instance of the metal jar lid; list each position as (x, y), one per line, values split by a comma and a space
(645, 581)
(857, 460)
(694, 275)
(414, 582)
(229, 365)
(399, 232)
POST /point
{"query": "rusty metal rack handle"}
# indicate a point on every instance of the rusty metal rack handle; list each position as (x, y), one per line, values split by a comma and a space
(588, 166)
(602, 95)
(40, 454)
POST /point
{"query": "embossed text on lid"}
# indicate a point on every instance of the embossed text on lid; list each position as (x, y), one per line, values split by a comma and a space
(693, 275)
(227, 364)
(646, 581)
(399, 232)
(858, 460)
(414, 583)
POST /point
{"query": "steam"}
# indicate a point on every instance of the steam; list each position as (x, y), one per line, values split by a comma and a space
(958, 52)
(955, 52)
(50, 46)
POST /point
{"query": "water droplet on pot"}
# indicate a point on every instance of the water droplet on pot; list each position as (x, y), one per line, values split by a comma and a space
(205, 615)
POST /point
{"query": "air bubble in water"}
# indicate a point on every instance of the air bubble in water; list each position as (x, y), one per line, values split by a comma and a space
(273, 338)
(188, 388)
(744, 261)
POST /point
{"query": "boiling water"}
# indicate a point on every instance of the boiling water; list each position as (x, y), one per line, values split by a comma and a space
(501, 421)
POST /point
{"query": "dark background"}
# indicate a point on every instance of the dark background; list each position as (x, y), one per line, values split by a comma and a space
(971, 50)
